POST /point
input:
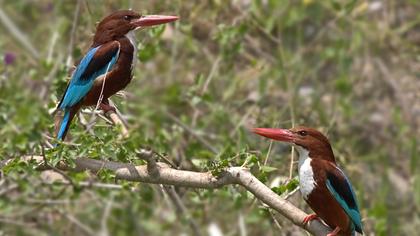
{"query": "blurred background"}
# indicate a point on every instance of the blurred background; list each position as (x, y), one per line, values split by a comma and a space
(349, 68)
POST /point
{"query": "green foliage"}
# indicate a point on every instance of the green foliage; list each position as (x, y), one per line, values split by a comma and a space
(230, 38)
(217, 167)
(345, 67)
(379, 212)
(417, 189)
(287, 188)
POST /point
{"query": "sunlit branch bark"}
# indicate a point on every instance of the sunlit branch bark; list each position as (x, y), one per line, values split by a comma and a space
(161, 173)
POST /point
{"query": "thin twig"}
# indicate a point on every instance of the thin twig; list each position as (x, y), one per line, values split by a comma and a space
(47, 201)
(8, 189)
(104, 228)
(210, 76)
(62, 173)
(293, 192)
(93, 184)
(213, 69)
(276, 222)
(269, 148)
(181, 208)
(117, 120)
(18, 223)
(18, 34)
(193, 132)
(166, 160)
(76, 222)
(69, 61)
(241, 224)
(292, 116)
(101, 96)
(85, 123)
(120, 116)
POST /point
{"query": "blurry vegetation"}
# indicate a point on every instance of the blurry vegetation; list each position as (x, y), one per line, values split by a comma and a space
(349, 68)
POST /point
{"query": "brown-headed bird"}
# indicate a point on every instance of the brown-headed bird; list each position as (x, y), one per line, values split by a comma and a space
(107, 66)
(323, 185)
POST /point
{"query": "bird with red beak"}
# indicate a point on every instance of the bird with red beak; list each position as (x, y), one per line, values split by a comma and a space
(107, 66)
(323, 185)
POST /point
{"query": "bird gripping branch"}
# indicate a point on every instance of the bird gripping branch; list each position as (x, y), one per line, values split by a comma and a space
(107, 66)
(323, 185)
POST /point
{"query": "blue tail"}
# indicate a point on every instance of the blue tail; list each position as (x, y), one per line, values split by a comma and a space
(64, 125)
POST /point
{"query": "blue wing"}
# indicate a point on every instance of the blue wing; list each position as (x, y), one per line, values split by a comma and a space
(340, 187)
(97, 62)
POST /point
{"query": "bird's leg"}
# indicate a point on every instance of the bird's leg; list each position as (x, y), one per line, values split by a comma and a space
(334, 232)
(309, 218)
(106, 107)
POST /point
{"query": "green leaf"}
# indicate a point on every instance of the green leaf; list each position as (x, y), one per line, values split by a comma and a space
(268, 169)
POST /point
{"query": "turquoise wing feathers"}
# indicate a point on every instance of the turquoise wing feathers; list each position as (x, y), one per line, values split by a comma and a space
(97, 61)
(340, 187)
(81, 81)
(78, 86)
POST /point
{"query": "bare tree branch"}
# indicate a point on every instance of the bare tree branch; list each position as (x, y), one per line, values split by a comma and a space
(161, 173)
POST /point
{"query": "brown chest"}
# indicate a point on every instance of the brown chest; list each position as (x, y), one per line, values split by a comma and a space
(323, 202)
(115, 80)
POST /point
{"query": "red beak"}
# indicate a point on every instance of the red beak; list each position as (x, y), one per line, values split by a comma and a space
(283, 135)
(150, 20)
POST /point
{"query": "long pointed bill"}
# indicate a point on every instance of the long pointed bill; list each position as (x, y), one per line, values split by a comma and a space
(150, 20)
(283, 135)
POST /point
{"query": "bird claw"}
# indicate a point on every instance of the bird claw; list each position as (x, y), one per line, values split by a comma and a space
(309, 218)
(334, 232)
(107, 108)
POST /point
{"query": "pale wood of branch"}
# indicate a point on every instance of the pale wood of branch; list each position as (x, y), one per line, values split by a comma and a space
(164, 174)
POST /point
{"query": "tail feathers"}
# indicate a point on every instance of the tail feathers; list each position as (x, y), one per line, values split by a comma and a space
(65, 124)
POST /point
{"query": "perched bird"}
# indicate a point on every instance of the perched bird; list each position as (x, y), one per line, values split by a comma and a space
(323, 185)
(107, 66)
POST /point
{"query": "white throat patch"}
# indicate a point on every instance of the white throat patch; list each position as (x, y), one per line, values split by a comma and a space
(132, 37)
(306, 175)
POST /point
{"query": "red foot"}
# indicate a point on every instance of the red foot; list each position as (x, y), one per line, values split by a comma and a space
(106, 107)
(309, 218)
(334, 232)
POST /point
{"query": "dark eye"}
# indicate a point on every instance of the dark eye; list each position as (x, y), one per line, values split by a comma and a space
(303, 133)
(127, 17)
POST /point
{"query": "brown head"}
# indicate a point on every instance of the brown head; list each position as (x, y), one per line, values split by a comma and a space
(304, 138)
(119, 23)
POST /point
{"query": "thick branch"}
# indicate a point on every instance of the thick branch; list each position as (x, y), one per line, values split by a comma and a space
(161, 173)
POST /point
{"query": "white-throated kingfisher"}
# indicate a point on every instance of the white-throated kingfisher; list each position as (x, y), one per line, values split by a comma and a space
(323, 185)
(107, 66)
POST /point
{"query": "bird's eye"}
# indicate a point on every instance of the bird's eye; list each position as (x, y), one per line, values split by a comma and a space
(127, 17)
(303, 133)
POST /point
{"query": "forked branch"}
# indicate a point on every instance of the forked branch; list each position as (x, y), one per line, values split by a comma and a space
(161, 173)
